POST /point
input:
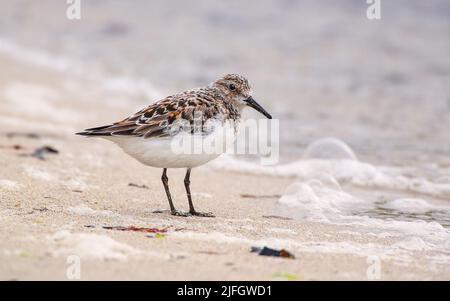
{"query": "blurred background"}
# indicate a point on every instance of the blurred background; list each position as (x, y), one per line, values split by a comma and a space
(322, 67)
(381, 88)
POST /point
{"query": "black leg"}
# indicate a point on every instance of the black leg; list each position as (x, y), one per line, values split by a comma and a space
(187, 182)
(165, 181)
(192, 211)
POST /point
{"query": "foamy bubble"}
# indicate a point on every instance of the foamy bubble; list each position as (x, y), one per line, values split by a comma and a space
(323, 179)
(314, 201)
(329, 148)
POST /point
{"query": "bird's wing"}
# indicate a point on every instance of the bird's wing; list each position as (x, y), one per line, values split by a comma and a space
(164, 118)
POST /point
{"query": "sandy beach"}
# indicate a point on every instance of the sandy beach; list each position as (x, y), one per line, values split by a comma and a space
(384, 215)
(54, 208)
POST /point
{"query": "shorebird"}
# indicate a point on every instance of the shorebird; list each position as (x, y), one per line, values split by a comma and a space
(148, 134)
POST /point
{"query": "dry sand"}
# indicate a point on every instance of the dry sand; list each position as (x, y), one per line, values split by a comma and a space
(45, 206)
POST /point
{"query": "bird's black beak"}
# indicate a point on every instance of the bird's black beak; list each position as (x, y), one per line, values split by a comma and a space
(252, 103)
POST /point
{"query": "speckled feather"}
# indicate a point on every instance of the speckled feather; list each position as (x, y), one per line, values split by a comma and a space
(156, 120)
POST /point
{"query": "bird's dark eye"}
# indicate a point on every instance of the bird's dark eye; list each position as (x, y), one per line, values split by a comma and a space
(232, 87)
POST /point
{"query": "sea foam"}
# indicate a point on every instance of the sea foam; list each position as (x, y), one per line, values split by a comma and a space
(90, 246)
(317, 196)
(334, 158)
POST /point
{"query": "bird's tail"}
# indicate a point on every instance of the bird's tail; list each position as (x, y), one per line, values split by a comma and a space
(97, 131)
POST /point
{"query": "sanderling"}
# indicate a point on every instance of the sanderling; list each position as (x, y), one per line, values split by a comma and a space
(146, 135)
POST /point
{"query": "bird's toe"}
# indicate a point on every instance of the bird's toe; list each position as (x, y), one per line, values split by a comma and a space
(202, 214)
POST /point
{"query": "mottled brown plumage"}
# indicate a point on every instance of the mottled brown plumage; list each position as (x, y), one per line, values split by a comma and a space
(214, 101)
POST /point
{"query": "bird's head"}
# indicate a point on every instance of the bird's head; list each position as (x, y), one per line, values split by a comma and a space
(237, 89)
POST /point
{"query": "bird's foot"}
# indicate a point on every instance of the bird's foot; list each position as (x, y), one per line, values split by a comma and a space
(180, 213)
(201, 214)
(173, 212)
(186, 214)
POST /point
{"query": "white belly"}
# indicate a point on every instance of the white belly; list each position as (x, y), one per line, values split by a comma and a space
(160, 152)
(181, 151)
